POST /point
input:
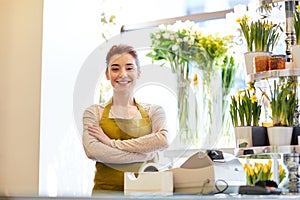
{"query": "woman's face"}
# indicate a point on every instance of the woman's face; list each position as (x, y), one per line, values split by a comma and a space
(122, 72)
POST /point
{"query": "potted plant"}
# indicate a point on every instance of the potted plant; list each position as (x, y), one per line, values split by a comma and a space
(295, 49)
(245, 114)
(261, 36)
(262, 172)
(283, 104)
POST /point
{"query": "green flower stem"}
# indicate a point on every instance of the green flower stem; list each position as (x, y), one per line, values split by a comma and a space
(283, 101)
(183, 104)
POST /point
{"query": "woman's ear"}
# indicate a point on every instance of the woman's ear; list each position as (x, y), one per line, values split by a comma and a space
(139, 74)
(107, 75)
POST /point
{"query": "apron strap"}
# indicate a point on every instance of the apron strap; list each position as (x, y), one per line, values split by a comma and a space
(107, 108)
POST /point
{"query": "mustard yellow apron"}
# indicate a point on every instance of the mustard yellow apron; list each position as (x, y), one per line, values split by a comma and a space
(111, 176)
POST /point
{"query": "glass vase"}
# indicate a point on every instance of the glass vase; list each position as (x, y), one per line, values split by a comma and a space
(199, 119)
(186, 113)
(209, 108)
(227, 126)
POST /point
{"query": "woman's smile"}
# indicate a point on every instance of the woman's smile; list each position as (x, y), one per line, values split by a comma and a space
(123, 82)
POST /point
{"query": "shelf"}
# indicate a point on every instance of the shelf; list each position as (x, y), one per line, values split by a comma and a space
(274, 74)
(268, 150)
(238, 152)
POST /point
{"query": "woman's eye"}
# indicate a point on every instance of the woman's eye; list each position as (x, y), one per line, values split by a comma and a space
(114, 69)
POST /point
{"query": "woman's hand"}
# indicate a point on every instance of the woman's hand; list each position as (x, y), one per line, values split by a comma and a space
(97, 132)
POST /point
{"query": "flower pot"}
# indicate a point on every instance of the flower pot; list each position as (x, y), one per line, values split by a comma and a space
(295, 49)
(296, 133)
(249, 136)
(259, 136)
(280, 135)
(249, 60)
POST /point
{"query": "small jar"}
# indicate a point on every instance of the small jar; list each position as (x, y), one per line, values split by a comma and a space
(276, 62)
(261, 63)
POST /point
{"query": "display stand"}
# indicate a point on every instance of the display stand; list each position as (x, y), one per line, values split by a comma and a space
(278, 152)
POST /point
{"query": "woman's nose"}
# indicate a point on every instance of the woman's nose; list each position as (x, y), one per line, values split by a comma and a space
(123, 73)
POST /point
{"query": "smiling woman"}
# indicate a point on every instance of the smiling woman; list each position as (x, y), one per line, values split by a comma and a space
(122, 134)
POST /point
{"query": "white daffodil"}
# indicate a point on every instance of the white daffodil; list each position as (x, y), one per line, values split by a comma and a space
(162, 27)
(172, 37)
(192, 39)
(175, 47)
(191, 42)
(178, 40)
(166, 35)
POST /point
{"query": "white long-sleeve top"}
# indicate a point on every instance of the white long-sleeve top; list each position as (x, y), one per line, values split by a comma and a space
(126, 151)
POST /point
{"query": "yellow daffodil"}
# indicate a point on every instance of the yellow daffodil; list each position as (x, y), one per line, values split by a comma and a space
(251, 171)
(270, 164)
(195, 79)
(250, 88)
(265, 169)
(242, 97)
(262, 172)
(253, 99)
(240, 92)
(256, 170)
(280, 169)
